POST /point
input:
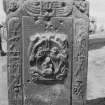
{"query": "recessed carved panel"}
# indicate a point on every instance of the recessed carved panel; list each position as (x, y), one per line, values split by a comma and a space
(48, 56)
(47, 49)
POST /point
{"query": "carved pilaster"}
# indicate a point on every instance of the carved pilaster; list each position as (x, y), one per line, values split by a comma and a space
(14, 62)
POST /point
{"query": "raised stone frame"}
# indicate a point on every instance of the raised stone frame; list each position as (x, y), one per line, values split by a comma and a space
(76, 14)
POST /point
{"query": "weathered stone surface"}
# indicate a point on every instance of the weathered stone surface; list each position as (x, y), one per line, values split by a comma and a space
(12, 5)
(55, 36)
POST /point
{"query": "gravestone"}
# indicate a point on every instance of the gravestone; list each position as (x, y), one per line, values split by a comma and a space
(47, 52)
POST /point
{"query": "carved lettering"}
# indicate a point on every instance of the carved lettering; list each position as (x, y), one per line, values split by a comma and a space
(82, 6)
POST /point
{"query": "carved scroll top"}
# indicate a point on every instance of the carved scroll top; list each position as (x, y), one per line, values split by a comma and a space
(48, 8)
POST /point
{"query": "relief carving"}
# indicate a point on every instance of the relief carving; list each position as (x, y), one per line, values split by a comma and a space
(14, 61)
(82, 5)
(77, 88)
(64, 9)
(32, 7)
(46, 8)
(49, 9)
(48, 56)
(11, 5)
(80, 58)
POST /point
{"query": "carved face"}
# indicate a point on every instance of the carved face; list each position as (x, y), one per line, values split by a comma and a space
(13, 5)
(49, 56)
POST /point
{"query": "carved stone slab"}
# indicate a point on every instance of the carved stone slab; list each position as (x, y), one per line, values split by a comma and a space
(47, 57)
(47, 51)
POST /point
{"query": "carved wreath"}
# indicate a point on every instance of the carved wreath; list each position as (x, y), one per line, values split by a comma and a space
(48, 56)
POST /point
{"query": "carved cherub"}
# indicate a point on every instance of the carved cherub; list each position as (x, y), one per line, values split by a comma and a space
(82, 5)
(11, 5)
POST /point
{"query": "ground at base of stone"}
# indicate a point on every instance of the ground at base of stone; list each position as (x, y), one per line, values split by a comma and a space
(99, 101)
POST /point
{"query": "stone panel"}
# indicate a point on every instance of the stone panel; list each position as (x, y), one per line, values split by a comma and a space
(47, 58)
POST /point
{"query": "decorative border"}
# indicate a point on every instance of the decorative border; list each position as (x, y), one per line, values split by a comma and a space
(14, 62)
(80, 61)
